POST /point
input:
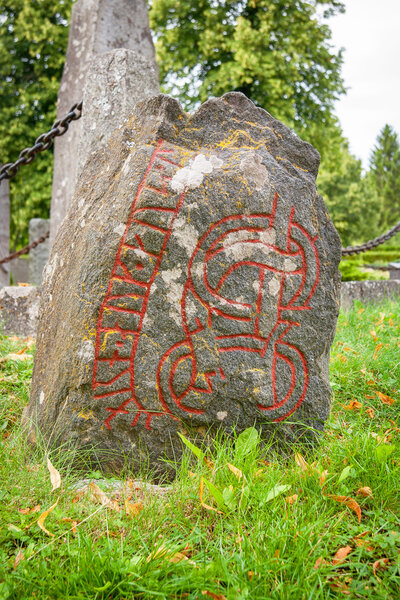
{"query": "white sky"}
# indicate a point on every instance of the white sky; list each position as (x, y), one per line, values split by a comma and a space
(370, 33)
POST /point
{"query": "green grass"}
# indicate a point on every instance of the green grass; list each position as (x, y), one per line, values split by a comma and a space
(258, 545)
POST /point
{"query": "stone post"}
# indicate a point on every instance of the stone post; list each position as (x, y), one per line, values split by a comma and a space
(115, 82)
(97, 26)
(39, 255)
(4, 231)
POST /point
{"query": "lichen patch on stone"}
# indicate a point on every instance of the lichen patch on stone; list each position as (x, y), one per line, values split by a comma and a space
(191, 176)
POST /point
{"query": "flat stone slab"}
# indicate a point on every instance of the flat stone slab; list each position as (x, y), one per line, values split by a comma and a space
(193, 287)
(19, 310)
(368, 291)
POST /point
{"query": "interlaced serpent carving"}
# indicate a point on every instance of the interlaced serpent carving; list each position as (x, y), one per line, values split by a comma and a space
(192, 368)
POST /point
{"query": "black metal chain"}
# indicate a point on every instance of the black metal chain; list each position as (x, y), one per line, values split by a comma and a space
(26, 249)
(350, 250)
(43, 142)
(26, 156)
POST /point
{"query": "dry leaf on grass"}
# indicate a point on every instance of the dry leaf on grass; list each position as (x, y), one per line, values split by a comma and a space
(20, 556)
(172, 557)
(370, 412)
(353, 405)
(28, 511)
(366, 492)
(385, 399)
(341, 555)
(258, 473)
(349, 502)
(43, 517)
(237, 472)
(377, 350)
(98, 495)
(323, 477)
(338, 585)
(73, 524)
(206, 506)
(133, 509)
(360, 543)
(55, 476)
(320, 562)
(291, 499)
(380, 565)
(301, 462)
(17, 357)
(208, 463)
(214, 596)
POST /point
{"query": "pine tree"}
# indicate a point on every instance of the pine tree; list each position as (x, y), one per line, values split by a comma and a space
(385, 176)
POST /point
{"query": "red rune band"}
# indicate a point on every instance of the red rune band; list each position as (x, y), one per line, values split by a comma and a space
(229, 247)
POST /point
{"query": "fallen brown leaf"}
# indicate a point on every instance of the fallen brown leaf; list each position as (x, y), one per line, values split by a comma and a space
(377, 350)
(323, 477)
(133, 509)
(176, 557)
(73, 524)
(291, 499)
(360, 543)
(20, 556)
(349, 502)
(55, 476)
(339, 586)
(98, 495)
(17, 357)
(385, 399)
(214, 596)
(380, 565)
(341, 555)
(237, 472)
(320, 562)
(206, 506)
(353, 405)
(366, 492)
(304, 466)
(370, 412)
(28, 511)
(258, 473)
(208, 463)
(43, 516)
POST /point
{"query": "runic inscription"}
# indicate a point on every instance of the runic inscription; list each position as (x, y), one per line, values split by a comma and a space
(279, 270)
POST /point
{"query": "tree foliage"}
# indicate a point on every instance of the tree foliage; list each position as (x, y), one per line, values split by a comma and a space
(33, 42)
(385, 176)
(349, 196)
(276, 52)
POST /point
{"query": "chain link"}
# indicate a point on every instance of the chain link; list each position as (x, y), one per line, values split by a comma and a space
(26, 249)
(43, 142)
(26, 156)
(350, 250)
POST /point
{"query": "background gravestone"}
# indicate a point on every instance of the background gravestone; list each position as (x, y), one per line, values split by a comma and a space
(38, 256)
(97, 27)
(194, 286)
